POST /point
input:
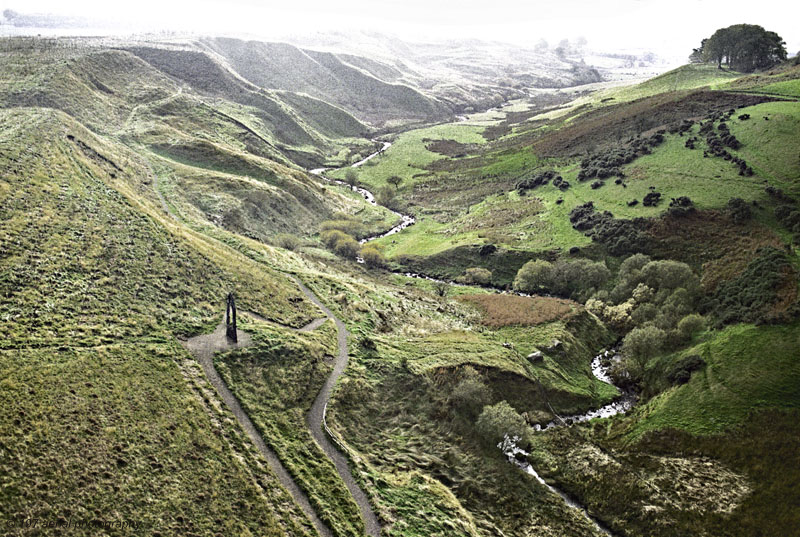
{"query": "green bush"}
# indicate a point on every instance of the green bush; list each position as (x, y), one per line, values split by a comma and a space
(351, 227)
(476, 275)
(668, 274)
(385, 196)
(681, 372)
(372, 257)
(499, 420)
(570, 278)
(738, 210)
(534, 276)
(691, 325)
(287, 241)
(470, 395)
(640, 345)
(621, 237)
(347, 247)
(332, 236)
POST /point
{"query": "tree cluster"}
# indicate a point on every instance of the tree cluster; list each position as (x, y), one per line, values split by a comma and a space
(568, 278)
(608, 163)
(542, 178)
(742, 47)
(655, 300)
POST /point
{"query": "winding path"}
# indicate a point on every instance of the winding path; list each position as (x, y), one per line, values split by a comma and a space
(319, 428)
(203, 348)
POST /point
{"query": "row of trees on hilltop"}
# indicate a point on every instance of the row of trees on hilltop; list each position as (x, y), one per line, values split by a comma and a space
(743, 47)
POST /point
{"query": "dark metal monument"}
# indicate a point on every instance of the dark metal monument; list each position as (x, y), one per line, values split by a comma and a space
(230, 319)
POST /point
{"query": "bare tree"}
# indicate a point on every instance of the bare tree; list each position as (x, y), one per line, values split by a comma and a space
(395, 180)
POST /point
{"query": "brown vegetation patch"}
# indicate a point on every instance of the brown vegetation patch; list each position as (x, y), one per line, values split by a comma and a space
(451, 194)
(448, 165)
(449, 148)
(614, 123)
(709, 239)
(509, 310)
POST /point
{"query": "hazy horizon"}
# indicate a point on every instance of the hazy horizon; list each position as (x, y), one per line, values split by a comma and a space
(670, 30)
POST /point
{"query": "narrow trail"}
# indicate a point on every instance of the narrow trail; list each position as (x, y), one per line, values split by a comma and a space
(203, 348)
(316, 416)
(136, 108)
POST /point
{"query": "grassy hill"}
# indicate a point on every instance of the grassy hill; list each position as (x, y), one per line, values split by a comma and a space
(97, 390)
(360, 89)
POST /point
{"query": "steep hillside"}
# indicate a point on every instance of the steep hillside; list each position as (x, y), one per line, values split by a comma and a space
(96, 284)
(356, 88)
(201, 72)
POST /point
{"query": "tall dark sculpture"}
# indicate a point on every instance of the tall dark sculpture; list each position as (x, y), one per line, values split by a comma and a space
(230, 319)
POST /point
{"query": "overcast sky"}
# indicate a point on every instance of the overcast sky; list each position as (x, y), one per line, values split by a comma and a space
(668, 27)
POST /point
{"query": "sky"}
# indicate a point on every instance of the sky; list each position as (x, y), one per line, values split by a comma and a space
(669, 28)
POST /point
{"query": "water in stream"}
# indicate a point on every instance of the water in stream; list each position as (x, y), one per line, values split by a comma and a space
(601, 364)
(619, 406)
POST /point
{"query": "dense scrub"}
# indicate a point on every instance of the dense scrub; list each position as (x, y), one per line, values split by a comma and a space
(621, 237)
(759, 294)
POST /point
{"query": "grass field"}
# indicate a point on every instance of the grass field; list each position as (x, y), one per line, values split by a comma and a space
(117, 433)
(408, 156)
(749, 369)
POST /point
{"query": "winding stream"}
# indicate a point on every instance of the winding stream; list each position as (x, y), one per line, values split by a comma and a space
(619, 406)
(406, 220)
(601, 365)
